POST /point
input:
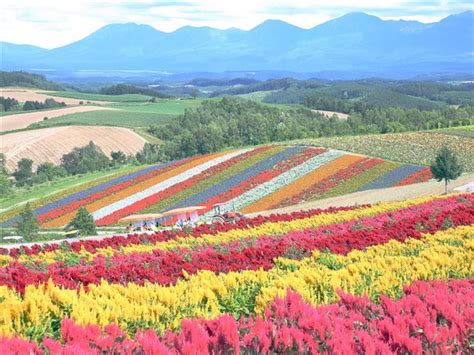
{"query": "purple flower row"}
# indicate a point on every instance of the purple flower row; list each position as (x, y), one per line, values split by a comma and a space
(391, 178)
(86, 193)
(239, 178)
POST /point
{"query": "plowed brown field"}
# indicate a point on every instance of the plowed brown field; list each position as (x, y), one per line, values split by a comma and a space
(50, 144)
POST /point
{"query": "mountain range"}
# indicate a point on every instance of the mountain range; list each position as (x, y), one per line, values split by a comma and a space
(355, 42)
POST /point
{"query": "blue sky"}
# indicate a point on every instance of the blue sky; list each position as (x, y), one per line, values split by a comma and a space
(55, 23)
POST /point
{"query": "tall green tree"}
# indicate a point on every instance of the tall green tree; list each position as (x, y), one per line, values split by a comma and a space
(446, 167)
(28, 226)
(85, 159)
(84, 222)
(24, 172)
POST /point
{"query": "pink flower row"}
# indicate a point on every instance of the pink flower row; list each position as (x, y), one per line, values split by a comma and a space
(432, 317)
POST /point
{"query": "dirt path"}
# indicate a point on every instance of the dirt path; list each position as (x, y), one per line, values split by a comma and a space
(25, 94)
(373, 196)
(23, 120)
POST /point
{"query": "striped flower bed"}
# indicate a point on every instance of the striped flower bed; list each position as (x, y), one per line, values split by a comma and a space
(249, 180)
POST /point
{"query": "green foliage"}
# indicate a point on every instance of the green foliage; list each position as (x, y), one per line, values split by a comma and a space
(235, 122)
(118, 158)
(50, 171)
(84, 159)
(123, 89)
(24, 172)
(446, 166)
(28, 225)
(83, 222)
(20, 78)
(5, 185)
(36, 105)
(151, 153)
(7, 104)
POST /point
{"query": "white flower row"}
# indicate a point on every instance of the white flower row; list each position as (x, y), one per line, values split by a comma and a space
(129, 200)
(278, 182)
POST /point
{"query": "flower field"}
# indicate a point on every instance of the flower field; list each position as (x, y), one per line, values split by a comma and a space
(393, 277)
(407, 147)
(249, 180)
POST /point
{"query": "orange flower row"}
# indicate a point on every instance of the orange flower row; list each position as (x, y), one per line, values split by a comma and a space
(96, 205)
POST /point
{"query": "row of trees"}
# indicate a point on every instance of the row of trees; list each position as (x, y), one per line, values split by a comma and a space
(80, 160)
(235, 122)
(11, 104)
(28, 226)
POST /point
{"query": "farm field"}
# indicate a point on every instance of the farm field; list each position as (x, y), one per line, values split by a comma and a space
(408, 147)
(465, 131)
(130, 115)
(248, 180)
(50, 144)
(98, 97)
(28, 94)
(283, 283)
(25, 119)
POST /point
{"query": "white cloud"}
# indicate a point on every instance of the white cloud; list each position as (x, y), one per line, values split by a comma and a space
(52, 23)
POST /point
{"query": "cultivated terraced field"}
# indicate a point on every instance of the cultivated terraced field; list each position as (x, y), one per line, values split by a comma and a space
(50, 144)
(248, 180)
(390, 278)
(410, 147)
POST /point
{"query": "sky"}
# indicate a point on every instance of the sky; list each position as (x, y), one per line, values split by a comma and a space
(54, 23)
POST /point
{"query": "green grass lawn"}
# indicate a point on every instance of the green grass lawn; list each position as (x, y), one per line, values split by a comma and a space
(23, 195)
(99, 97)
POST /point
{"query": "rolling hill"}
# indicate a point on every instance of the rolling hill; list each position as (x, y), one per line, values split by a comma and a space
(355, 42)
(248, 180)
(50, 144)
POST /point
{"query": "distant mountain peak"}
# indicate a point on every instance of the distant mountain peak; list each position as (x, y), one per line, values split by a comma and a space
(355, 41)
(272, 24)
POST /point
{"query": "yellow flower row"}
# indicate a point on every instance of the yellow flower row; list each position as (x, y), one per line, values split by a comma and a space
(269, 228)
(382, 269)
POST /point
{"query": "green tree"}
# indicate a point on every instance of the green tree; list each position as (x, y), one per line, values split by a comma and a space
(24, 172)
(446, 167)
(85, 159)
(118, 158)
(83, 222)
(5, 185)
(50, 171)
(149, 154)
(28, 225)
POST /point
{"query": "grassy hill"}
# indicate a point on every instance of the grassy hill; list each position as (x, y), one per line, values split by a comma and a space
(126, 114)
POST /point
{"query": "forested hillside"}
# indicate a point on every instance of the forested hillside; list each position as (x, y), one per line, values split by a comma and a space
(235, 122)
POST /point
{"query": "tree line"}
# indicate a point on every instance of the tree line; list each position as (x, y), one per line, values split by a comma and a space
(235, 122)
(80, 160)
(10, 104)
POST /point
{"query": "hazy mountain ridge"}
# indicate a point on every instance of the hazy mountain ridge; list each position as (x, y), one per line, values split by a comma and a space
(353, 42)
